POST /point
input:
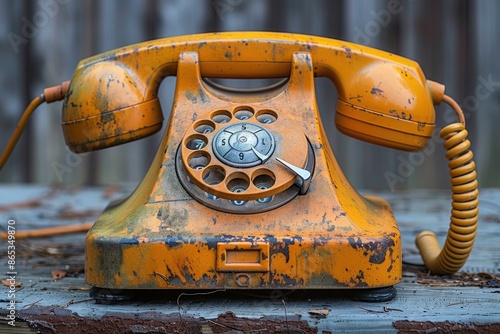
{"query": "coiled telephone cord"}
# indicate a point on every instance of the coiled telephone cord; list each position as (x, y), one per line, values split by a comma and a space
(464, 213)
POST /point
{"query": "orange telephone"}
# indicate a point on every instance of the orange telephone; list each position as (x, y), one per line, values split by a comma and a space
(244, 191)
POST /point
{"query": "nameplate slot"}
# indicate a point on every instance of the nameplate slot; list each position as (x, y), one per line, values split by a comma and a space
(243, 257)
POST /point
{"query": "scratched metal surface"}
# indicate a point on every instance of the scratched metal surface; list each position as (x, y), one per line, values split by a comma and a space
(459, 299)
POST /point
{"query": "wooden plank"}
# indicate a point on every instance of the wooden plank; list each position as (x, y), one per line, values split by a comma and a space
(469, 298)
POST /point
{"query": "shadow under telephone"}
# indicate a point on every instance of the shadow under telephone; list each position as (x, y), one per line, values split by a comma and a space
(244, 191)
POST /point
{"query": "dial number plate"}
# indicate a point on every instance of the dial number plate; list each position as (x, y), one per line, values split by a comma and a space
(235, 145)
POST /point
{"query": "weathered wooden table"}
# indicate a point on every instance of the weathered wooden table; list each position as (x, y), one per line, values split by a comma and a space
(51, 295)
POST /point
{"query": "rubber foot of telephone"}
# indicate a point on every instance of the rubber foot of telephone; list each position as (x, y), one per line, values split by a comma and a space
(376, 295)
(111, 296)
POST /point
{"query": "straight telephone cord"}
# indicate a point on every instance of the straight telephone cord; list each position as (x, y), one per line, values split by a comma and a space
(51, 94)
(19, 128)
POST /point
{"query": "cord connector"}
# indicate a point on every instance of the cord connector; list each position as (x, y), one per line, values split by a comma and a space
(56, 93)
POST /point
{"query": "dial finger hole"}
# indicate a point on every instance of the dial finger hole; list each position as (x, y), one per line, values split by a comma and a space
(199, 160)
(266, 116)
(214, 175)
(196, 142)
(221, 116)
(243, 113)
(238, 182)
(204, 127)
(263, 179)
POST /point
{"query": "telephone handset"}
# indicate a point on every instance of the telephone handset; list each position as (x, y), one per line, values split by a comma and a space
(244, 191)
(123, 84)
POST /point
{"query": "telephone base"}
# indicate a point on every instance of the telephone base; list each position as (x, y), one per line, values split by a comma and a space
(208, 215)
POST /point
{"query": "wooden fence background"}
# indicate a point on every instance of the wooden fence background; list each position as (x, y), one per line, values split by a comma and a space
(455, 42)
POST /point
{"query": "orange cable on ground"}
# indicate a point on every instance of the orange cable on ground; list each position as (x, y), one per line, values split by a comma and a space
(50, 231)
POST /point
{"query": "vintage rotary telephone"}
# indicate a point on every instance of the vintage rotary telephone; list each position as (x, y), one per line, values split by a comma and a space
(244, 191)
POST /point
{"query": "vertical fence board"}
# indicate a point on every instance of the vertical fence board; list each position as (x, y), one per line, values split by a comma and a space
(11, 82)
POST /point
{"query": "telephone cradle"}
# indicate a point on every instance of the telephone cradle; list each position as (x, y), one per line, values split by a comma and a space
(244, 191)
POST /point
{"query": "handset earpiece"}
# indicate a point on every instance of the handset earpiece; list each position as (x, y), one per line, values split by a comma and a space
(389, 104)
(105, 107)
